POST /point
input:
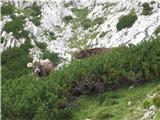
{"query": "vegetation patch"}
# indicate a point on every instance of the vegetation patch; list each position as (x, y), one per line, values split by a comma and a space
(147, 10)
(7, 9)
(50, 35)
(126, 21)
(16, 27)
(25, 98)
(67, 19)
(35, 12)
(87, 23)
(157, 30)
(101, 107)
(102, 34)
(76, 42)
(14, 61)
(2, 39)
(51, 97)
(80, 13)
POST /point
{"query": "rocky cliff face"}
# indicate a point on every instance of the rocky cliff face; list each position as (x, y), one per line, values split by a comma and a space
(67, 25)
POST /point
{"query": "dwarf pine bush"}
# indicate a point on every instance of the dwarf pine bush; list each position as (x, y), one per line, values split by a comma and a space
(7, 9)
(147, 10)
(126, 21)
(48, 98)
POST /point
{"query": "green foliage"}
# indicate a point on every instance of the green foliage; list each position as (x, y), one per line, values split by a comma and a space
(102, 34)
(156, 100)
(101, 107)
(152, 2)
(99, 20)
(147, 10)
(14, 61)
(80, 13)
(16, 26)
(126, 21)
(36, 9)
(147, 103)
(2, 39)
(7, 9)
(87, 23)
(25, 99)
(67, 19)
(41, 45)
(35, 12)
(36, 21)
(157, 31)
(50, 35)
(131, 63)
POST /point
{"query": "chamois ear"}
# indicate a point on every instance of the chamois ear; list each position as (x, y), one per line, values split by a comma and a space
(29, 65)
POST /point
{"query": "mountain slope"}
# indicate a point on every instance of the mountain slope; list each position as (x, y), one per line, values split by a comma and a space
(68, 25)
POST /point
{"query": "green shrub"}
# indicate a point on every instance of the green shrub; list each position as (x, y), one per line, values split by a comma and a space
(152, 2)
(2, 39)
(147, 10)
(16, 26)
(14, 61)
(36, 21)
(67, 18)
(80, 13)
(35, 12)
(98, 20)
(7, 9)
(41, 45)
(102, 34)
(157, 31)
(87, 23)
(36, 9)
(25, 99)
(147, 103)
(126, 21)
(156, 100)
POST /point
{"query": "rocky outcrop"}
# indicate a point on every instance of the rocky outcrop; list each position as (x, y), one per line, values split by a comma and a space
(53, 12)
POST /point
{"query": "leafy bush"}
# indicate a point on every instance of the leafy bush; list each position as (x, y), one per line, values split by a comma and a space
(98, 20)
(16, 26)
(102, 34)
(35, 12)
(80, 13)
(156, 100)
(7, 9)
(157, 31)
(14, 61)
(87, 23)
(67, 18)
(126, 21)
(41, 45)
(36, 9)
(2, 39)
(147, 103)
(147, 10)
(25, 99)
(36, 21)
